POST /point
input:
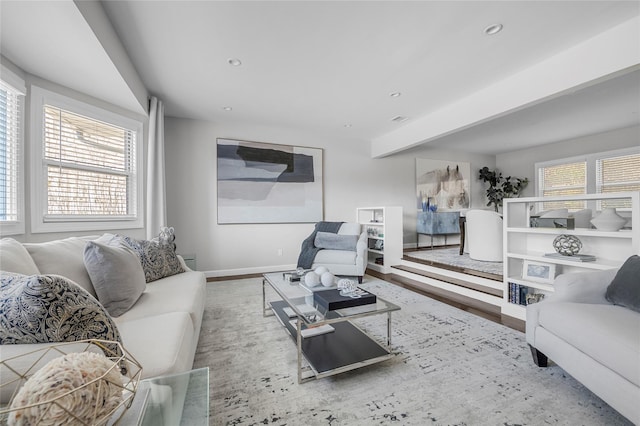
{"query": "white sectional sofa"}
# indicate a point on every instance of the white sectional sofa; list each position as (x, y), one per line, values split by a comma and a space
(160, 330)
(595, 341)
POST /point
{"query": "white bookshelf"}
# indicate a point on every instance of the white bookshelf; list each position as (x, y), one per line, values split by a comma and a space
(385, 228)
(523, 243)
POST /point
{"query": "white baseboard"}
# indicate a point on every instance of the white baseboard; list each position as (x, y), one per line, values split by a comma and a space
(248, 271)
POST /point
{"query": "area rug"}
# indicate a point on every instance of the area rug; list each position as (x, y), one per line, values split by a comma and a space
(451, 368)
(452, 256)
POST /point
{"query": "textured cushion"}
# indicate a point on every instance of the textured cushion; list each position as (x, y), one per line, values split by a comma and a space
(329, 240)
(15, 258)
(63, 257)
(158, 260)
(116, 274)
(624, 290)
(50, 308)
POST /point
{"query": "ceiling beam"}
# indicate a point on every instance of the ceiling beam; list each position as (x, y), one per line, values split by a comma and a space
(605, 56)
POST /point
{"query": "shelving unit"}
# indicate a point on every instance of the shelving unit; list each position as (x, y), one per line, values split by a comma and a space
(384, 243)
(524, 243)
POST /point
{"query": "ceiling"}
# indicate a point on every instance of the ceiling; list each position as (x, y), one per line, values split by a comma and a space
(329, 67)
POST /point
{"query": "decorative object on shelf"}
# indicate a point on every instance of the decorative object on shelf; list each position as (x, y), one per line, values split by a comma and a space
(609, 220)
(70, 383)
(534, 298)
(538, 271)
(567, 245)
(501, 187)
(379, 245)
(444, 184)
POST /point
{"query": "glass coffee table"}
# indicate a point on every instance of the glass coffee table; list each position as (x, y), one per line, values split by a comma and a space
(173, 400)
(346, 347)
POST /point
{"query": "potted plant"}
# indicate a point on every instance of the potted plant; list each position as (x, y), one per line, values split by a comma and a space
(501, 187)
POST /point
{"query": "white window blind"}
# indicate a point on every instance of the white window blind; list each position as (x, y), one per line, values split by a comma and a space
(563, 179)
(10, 152)
(617, 174)
(90, 167)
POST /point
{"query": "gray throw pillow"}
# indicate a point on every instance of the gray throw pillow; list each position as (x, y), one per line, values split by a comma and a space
(624, 290)
(158, 260)
(116, 275)
(329, 240)
(51, 308)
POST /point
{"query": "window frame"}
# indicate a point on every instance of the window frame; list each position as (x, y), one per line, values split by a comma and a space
(39, 220)
(15, 227)
(591, 170)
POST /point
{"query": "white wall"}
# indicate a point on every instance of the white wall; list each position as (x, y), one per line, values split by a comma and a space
(521, 163)
(351, 179)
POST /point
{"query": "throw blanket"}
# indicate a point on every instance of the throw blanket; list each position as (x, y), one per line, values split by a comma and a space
(309, 250)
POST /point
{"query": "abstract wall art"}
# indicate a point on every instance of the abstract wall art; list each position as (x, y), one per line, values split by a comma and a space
(445, 183)
(268, 183)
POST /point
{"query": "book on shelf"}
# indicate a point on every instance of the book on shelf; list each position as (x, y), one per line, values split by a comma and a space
(572, 258)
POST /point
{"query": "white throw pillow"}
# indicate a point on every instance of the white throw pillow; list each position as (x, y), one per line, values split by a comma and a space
(63, 257)
(116, 274)
(15, 258)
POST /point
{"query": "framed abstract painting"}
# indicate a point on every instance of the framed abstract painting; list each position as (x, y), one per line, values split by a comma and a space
(444, 184)
(268, 183)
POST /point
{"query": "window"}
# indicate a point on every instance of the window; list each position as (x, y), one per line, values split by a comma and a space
(88, 162)
(11, 154)
(606, 172)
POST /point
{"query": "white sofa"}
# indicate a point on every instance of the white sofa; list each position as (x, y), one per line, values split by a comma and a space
(346, 262)
(160, 330)
(596, 342)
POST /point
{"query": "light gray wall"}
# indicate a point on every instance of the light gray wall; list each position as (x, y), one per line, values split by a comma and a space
(351, 179)
(521, 163)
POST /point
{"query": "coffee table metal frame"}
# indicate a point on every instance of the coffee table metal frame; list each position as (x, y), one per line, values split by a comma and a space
(348, 339)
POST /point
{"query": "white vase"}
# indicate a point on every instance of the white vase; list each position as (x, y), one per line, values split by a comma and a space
(608, 220)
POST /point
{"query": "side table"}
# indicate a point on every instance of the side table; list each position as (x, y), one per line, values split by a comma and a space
(437, 223)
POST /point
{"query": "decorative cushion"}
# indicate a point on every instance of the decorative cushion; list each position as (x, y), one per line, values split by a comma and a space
(328, 240)
(63, 257)
(624, 290)
(158, 260)
(50, 308)
(15, 258)
(116, 274)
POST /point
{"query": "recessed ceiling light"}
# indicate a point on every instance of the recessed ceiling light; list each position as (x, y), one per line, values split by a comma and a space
(227, 108)
(395, 94)
(347, 125)
(493, 29)
(399, 119)
(234, 61)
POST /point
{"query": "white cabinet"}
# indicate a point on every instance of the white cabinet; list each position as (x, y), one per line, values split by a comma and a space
(384, 231)
(526, 246)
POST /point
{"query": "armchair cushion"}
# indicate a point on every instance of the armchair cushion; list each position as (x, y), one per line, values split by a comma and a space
(624, 290)
(329, 240)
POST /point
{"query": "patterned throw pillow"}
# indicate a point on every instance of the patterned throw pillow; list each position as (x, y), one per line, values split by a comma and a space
(50, 308)
(158, 260)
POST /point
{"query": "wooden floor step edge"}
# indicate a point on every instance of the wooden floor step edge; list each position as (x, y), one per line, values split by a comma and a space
(450, 280)
(481, 274)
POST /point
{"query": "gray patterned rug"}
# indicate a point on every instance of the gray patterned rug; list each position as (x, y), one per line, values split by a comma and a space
(451, 368)
(452, 256)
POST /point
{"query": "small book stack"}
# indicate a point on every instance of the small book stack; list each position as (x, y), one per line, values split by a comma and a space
(573, 258)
